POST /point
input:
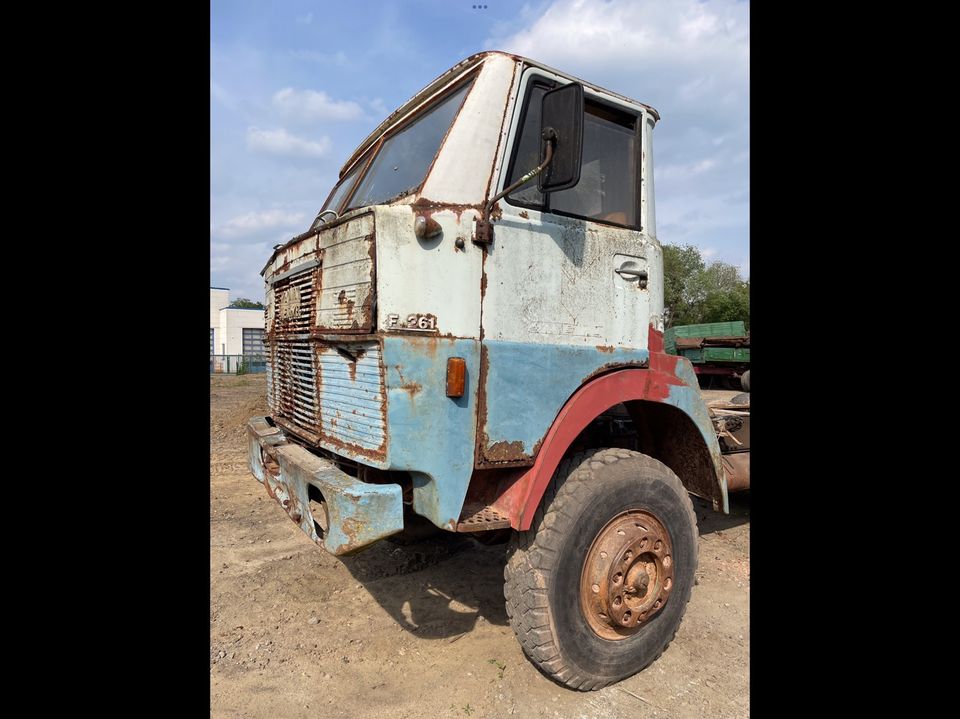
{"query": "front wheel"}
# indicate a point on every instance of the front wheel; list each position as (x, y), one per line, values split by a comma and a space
(596, 588)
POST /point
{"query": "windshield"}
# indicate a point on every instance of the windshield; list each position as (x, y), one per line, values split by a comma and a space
(402, 159)
(343, 187)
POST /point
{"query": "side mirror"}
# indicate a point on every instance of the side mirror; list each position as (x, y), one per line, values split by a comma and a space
(561, 117)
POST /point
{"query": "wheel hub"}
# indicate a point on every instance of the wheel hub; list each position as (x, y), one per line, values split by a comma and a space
(627, 575)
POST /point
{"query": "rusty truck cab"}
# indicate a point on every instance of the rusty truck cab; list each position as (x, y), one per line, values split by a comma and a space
(433, 353)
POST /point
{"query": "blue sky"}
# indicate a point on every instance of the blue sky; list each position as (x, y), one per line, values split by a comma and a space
(295, 86)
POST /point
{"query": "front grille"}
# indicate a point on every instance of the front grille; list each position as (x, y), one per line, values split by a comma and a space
(293, 306)
(352, 406)
(329, 393)
(292, 383)
(336, 395)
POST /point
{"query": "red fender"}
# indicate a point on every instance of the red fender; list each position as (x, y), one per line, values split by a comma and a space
(521, 499)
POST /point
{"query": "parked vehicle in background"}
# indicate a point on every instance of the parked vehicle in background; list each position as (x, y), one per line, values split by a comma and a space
(447, 342)
(717, 350)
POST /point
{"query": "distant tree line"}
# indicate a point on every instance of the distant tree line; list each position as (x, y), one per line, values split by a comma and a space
(696, 292)
(242, 303)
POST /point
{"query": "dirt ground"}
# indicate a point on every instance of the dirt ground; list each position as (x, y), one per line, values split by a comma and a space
(421, 630)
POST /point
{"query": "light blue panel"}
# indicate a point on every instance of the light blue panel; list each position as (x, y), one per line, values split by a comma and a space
(528, 384)
(431, 435)
(359, 513)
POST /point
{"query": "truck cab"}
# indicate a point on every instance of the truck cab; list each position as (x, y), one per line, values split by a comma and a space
(449, 336)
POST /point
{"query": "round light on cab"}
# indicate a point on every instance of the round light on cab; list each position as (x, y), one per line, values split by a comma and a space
(426, 227)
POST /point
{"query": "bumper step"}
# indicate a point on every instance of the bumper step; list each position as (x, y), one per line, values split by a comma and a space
(478, 518)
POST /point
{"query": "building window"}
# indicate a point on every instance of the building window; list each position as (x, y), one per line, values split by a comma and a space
(253, 341)
(211, 341)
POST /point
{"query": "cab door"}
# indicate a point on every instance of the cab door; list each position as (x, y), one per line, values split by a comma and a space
(567, 276)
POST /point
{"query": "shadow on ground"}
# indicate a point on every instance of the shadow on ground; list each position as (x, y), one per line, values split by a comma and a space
(437, 587)
(441, 586)
(709, 521)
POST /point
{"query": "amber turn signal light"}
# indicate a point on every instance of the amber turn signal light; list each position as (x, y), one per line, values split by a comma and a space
(456, 376)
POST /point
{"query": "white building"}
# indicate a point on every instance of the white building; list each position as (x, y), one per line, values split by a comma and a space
(234, 331)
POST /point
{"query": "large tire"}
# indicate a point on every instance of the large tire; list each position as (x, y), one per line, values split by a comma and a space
(592, 493)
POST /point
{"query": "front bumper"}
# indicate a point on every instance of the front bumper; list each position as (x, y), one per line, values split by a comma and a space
(351, 515)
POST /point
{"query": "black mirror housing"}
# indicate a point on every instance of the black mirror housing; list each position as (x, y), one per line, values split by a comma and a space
(561, 116)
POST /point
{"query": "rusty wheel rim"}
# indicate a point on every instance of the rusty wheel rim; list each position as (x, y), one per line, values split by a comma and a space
(627, 576)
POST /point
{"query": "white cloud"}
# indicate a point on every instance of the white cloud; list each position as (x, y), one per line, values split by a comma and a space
(378, 106)
(684, 171)
(281, 142)
(305, 19)
(338, 58)
(658, 52)
(253, 223)
(314, 105)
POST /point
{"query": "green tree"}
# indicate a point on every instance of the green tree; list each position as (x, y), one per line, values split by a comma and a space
(680, 266)
(695, 292)
(242, 303)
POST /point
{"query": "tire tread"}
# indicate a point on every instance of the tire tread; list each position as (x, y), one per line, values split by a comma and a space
(526, 574)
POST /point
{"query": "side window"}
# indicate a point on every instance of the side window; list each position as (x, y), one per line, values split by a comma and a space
(607, 190)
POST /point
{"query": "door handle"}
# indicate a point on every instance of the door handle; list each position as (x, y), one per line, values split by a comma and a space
(640, 274)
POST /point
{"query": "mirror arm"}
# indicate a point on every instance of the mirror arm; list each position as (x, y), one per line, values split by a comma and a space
(484, 228)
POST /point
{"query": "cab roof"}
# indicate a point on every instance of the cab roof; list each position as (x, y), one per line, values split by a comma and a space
(458, 69)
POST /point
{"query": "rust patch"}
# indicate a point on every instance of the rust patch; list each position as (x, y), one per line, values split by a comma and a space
(524, 215)
(428, 207)
(611, 366)
(737, 468)
(606, 348)
(497, 212)
(352, 528)
(481, 400)
(352, 364)
(411, 388)
(504, 451)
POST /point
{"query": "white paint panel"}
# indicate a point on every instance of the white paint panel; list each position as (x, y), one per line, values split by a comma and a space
(347, 274)
(462, 170)
(552, 280)
(428, 276)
